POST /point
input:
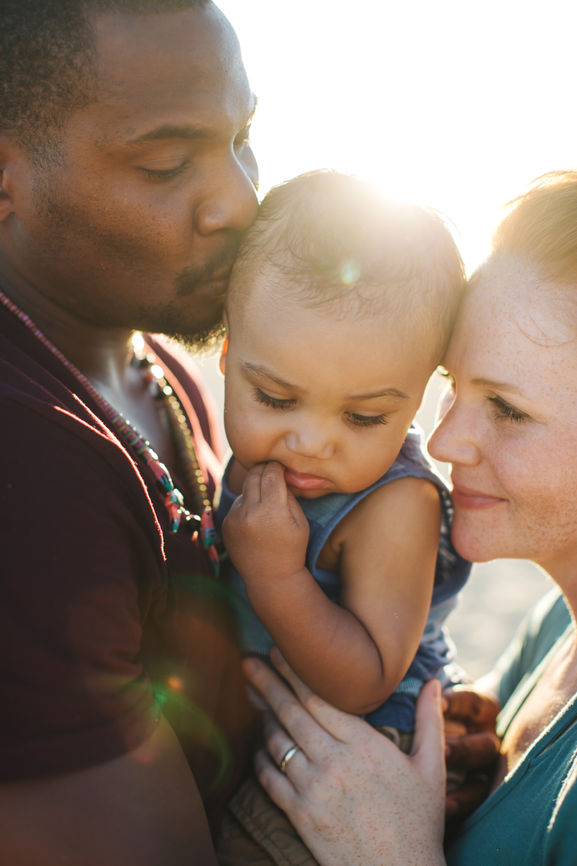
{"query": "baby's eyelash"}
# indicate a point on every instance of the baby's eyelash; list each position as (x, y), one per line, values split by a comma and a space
(366, 420)
(504, 410)
(272, 402)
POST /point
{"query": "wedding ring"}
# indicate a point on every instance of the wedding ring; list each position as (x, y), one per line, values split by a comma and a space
(288, 755)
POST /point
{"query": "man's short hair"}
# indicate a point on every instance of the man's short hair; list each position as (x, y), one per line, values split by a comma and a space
(47, 63)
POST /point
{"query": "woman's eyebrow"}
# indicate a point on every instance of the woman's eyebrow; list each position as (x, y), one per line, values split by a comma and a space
(498, 386)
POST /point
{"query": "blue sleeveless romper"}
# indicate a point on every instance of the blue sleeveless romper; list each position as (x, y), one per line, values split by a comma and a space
(434, 657)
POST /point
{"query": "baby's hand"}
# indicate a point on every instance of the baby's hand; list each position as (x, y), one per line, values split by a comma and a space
(265, 531)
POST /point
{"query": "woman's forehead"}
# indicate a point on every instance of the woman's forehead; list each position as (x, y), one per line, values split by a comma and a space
(508, 294)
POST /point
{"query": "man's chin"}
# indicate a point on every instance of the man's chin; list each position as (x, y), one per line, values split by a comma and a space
(173, 322)
(208, 341)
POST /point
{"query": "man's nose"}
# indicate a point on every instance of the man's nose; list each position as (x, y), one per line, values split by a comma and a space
(232, 203)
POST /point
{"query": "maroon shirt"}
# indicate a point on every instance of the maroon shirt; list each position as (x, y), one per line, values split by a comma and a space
(105, 618)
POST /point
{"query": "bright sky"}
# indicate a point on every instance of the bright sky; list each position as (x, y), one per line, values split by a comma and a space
(458, 103)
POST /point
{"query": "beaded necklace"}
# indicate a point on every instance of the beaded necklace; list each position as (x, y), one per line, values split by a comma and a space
(178, 515)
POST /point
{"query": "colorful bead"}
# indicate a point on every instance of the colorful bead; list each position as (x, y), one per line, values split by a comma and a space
(178, 514)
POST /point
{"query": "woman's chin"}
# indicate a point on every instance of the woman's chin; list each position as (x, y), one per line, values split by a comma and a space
(475, 547)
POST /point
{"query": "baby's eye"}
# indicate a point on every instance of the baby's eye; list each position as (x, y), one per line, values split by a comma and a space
(504, 410)
(366, 420)
(273, 402)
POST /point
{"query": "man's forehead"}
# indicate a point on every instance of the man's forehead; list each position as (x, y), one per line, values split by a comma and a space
(154, 70)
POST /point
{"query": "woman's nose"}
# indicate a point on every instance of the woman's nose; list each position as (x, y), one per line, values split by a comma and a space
(453, 440)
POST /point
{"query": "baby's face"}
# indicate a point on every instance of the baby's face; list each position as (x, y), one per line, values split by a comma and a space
(330, 399)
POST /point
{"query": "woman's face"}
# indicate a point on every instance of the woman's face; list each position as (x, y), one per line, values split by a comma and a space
(509, 419)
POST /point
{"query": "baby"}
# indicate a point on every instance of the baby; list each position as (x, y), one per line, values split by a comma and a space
(339, 309)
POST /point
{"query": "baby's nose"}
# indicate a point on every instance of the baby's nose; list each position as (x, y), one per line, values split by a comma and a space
(310, 442)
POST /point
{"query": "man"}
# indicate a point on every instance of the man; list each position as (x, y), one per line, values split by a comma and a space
(126, 181)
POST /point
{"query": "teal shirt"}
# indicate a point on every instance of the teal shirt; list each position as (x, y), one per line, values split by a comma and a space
(531, 818)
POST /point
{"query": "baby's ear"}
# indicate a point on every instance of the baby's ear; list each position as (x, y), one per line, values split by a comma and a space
(222, 360)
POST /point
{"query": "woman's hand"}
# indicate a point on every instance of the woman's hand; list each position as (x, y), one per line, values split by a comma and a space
(354, 798)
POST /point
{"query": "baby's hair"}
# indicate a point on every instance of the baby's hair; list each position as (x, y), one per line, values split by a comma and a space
(337, 243)
(540, 226)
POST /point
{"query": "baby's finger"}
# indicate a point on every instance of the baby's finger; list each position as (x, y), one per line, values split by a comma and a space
(251, 489)
(273, 485)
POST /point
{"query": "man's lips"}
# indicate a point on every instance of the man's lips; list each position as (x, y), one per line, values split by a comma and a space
(471, 499)
(304, 481)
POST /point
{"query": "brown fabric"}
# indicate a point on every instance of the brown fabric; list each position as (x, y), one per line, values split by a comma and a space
(255, 832)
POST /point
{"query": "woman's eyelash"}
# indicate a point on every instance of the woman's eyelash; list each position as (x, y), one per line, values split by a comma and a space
(272, 402)
(505, 410)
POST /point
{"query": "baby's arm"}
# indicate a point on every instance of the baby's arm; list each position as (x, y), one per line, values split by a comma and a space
(352, 655)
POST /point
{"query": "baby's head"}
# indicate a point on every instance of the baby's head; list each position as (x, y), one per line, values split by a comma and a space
(339, 309)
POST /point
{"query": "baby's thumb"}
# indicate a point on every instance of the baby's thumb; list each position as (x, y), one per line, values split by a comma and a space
(428, 752)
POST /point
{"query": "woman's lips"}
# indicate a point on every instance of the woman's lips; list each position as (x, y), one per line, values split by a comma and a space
(470, 499)
(303, 481)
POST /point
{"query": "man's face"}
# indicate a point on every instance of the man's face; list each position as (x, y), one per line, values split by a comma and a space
(139, 223)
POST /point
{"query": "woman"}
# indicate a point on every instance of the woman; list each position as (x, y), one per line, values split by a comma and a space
(509, 429)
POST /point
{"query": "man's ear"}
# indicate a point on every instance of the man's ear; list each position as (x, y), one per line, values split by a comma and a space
(11, 163)
(222, 359)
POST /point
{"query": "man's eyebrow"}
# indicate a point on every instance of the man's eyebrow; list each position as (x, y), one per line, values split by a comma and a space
(184, 131)
(170, 130)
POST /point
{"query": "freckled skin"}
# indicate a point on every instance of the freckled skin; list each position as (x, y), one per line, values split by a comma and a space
(514, 330)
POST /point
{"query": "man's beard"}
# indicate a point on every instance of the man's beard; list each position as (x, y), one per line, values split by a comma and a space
(201, 333)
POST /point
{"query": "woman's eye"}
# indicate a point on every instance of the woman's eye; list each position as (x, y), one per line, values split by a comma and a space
(273, 402)
(366, 420)
(504, 410)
